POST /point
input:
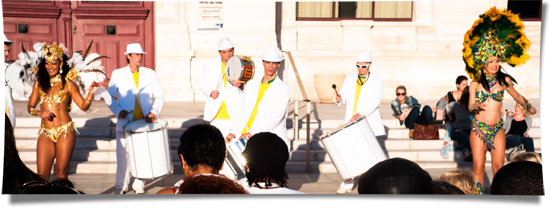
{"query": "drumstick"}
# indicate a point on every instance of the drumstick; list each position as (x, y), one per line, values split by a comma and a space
(334, 87)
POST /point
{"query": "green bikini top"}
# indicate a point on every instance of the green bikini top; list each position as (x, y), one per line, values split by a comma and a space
(482, 96)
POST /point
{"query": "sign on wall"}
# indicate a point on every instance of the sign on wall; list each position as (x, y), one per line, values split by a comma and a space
(210, 15)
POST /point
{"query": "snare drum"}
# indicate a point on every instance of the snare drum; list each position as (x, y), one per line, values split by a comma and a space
(239, 68)
(353, 149)
(234, 160)
(148, 149)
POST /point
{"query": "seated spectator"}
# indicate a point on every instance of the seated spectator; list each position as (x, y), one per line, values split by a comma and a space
(443, 187)
(396, 176)
(518, 178)
(461, 178)
(266, 156)
(528, 156)
(516, 127)
(16, 173)
(210, 184)
(201, 150)
(407, 110)
(460, 125)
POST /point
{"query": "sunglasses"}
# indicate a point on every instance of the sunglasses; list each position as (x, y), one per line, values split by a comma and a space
(362, 66)
(398, 94)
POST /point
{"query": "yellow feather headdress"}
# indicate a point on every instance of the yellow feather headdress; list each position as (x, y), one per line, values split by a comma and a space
(497, 33)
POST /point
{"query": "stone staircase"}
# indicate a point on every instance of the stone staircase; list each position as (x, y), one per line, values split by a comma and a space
(95, 150)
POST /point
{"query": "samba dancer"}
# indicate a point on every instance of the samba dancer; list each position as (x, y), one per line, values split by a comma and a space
(361, 93)
(265, 102)
(498, 39)
(139, 97)
(225, 98)
(54, 90)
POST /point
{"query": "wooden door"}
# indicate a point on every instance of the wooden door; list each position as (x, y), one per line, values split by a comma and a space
(111, 26)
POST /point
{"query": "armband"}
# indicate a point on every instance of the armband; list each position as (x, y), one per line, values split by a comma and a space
(34, 111)
(527, 105)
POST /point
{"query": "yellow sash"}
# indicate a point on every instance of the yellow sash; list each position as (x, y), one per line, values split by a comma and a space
(263, 88)
(137, 110)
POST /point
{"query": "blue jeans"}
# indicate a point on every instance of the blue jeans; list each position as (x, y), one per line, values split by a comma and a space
(514, 140)
(416, 117)
(463, 137)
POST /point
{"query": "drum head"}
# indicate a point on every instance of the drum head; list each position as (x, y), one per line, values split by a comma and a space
(233, 68)
(142, 126)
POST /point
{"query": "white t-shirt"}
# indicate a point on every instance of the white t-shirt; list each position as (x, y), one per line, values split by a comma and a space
(254, 190)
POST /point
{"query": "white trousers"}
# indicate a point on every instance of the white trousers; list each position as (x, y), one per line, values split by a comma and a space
(122, 170)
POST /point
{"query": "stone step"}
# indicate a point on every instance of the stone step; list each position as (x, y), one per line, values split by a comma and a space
(187, 122)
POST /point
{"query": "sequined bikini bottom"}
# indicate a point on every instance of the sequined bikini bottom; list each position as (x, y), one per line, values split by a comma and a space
(55, 132)
(485, 132)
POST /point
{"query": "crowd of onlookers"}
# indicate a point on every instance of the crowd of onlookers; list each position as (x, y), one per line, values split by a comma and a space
(202, 151)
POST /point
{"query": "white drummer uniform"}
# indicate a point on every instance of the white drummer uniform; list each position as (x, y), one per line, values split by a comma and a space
(10, 107)
(222, 111)
(364, 99)
(148, 97)
(270, 112)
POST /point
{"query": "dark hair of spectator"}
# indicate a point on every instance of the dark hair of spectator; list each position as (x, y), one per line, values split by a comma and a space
(203, 144)
(396, 176)
(210, 184)
(518, 178)
(266, 155)
(443, 187)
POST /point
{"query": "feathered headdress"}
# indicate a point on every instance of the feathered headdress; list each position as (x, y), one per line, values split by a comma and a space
(497, 33)
(84, 69)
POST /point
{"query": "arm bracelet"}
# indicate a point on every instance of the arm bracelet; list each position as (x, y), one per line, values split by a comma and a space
(34, 111)
(88, 100)
(527, 105)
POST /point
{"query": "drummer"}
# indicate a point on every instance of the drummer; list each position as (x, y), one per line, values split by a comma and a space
(225, 98)
(265, 102)
(10, 108)
(361, 92)
(139, 97)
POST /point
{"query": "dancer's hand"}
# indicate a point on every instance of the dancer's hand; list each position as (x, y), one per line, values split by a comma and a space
(46, 115)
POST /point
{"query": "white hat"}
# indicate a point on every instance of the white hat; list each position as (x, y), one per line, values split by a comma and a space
(224, 43)
(134, 48)
(363, 56)
(272, 55)
(6, 40)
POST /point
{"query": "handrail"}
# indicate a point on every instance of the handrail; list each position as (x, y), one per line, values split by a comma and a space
(308, 111)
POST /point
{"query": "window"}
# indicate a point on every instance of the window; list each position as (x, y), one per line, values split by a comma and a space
(528, 10)
(364, 10)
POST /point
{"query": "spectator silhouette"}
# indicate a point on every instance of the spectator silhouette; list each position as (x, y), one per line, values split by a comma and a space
(16, 173)
(396, 176)
(518, 178)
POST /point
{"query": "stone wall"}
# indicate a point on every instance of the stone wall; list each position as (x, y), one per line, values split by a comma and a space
(424, 54)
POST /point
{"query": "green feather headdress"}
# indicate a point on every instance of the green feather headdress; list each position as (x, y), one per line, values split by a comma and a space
(495, 34)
